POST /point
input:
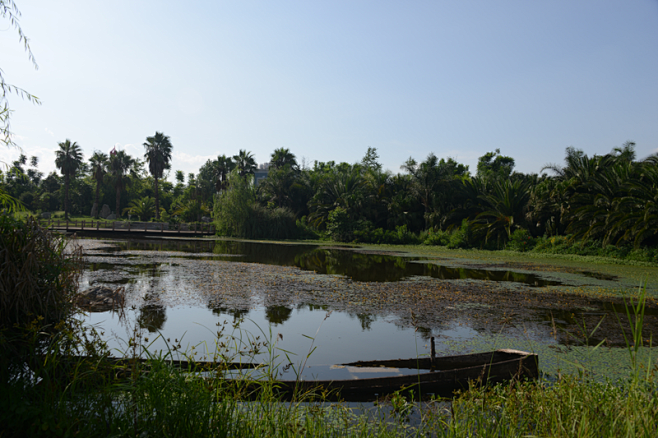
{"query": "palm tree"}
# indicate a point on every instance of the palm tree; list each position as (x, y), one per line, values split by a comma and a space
(68, 160)
(434, 183)
(222, 167)
(143, 208)
(158, 155)
(506, 205)
(245, 163)
(343, 187)
(120, 164)
(283, 157)
(99, 163)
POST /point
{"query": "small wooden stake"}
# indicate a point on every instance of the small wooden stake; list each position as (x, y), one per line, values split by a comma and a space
(432, 349)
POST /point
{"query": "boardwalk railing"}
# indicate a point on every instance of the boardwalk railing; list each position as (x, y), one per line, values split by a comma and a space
(130, 226)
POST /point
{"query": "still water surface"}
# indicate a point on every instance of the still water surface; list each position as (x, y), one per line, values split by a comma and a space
(317, 306)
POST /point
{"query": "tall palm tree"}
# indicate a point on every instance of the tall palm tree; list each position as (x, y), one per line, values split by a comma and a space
(222, 166)
(245, 163)
(99, 163)
(283, 157)
(158, 155)
(68, 160)
(120, 164)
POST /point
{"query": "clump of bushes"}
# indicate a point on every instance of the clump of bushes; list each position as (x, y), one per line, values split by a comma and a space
(438, 237)
(38, 277)
(305, 230)
(461, 237)
(521, 240)
(569, 245)
(341, 228)
(270, 223)
(238, 214)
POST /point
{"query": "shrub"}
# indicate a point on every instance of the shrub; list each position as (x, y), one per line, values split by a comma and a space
(268, 223)
(438, 237)
(521, 240)
(232, 207)
(304, 230)
(38, 277)
(462, 237)
(339, 225)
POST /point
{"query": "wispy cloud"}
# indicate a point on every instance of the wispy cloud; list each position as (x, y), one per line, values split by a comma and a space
(188, 159)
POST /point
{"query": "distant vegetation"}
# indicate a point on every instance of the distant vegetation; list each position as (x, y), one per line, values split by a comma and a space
(599, 202)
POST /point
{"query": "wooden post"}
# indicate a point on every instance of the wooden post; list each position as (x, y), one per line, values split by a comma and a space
(128, 226)
(67, 224)
(83, 225)
(113, 223)
(145, 225)
(432, 350)
(98, 224)
(161, 227)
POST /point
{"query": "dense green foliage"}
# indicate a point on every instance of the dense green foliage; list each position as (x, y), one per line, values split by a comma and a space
(38, 286)
(238, 214)
(602, 201)
(158, 155)
(37, 277)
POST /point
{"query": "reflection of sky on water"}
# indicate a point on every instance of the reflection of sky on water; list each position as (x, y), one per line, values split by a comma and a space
(337, 339)
(326, 340)
(165, 294)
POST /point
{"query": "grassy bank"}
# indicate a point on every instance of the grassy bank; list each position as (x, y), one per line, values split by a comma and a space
(86, 397)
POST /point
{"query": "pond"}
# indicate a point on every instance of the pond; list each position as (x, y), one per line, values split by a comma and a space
(320, 306)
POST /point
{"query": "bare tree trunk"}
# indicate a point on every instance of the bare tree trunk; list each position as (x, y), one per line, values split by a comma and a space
(117, 214)
(157, 201)
(98, 208)
(66, 196)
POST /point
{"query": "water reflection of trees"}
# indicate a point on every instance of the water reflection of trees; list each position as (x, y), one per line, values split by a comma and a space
(312, 307)
(388, 268)
(265, 253)
(237, 314)
(277, 314)
(152, 317)
(163, 245)
(366, 319)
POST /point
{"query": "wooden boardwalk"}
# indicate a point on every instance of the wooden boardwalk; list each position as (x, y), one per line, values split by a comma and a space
(101, 227)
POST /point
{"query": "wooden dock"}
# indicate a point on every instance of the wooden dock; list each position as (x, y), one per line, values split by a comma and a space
(103, 227)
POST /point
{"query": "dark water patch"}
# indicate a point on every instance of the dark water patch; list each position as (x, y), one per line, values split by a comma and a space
(387, 268)
(188, 246)
(598, 275)
(347, 261)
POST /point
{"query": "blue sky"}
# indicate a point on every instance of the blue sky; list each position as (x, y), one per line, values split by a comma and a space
(328, 79)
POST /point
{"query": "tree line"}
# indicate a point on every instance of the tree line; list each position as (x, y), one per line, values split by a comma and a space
(610, 198)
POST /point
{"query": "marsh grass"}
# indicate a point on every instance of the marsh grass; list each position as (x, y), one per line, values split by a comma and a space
(74, 391)
(38, 275)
